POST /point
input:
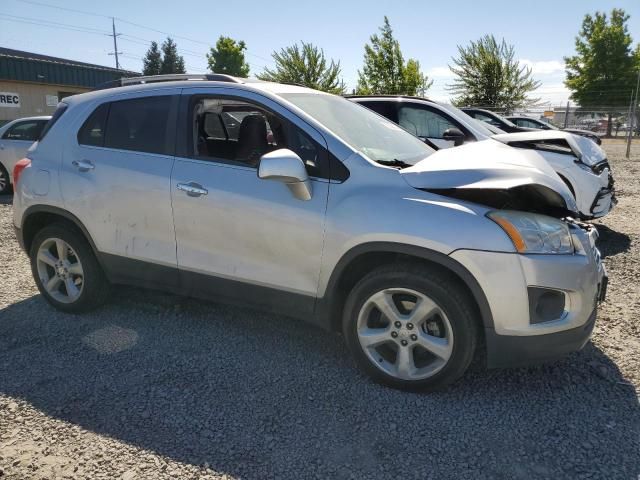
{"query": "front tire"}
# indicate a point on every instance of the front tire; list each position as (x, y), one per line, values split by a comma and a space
(410, 327)
(66, 271)
(5, 184)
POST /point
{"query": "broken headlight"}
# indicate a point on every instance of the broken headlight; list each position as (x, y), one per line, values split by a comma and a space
(534, 233)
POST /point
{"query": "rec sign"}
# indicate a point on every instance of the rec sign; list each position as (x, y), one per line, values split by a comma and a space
(8, 99)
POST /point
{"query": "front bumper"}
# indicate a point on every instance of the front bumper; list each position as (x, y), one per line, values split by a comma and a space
(512, 351)
(605, 199)
(515, 337)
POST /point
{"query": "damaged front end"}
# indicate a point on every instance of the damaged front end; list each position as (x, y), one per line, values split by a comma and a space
(495, 175)
(526, 198)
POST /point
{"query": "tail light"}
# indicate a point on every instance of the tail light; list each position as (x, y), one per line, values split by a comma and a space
(18, 169)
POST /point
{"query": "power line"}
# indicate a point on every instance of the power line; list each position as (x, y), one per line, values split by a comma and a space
(43, 4)
(46, 23)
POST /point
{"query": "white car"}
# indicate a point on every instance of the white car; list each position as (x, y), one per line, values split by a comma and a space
(578, 161)
(15, 139)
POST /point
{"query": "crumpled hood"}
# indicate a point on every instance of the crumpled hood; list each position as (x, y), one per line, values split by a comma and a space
(490, 166)
(585, 150)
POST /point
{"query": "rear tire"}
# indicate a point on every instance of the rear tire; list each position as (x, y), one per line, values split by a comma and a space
(411, 328)
(66, 270)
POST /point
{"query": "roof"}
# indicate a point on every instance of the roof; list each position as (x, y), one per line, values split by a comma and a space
(243, 84)
(392, 97)
(18, 65)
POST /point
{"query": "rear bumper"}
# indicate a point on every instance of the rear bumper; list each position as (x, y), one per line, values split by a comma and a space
(514, 351)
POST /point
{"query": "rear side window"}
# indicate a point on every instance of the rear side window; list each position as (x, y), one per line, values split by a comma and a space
(139, 124)
(62, 107)
(92, 131)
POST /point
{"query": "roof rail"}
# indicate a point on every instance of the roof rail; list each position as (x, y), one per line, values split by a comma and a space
(212, 77)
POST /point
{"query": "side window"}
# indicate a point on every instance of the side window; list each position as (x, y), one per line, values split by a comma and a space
(92, 131)
(240, 132)
(487, 119)
(423, 122)
(139, 124)
(26, 131)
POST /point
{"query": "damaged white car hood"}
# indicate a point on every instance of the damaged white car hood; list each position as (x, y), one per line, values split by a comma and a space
(486, 165)
(585, 150)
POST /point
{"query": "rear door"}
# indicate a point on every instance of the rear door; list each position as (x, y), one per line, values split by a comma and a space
(115, 178)
(240, 237)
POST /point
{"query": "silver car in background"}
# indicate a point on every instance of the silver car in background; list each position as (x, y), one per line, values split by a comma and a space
(15, 139)
(315, 207)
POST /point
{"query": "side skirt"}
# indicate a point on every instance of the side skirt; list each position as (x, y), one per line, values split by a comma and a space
(122, 270)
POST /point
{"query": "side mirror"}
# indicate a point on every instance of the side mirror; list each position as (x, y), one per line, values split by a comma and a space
(454, 135)
(285, 166)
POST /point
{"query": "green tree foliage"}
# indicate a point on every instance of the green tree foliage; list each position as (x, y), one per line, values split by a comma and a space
(171, 61)
(385, 71)
(603, 71)
(152, 60)
(305, 65)
(488, 75)
(228, 57)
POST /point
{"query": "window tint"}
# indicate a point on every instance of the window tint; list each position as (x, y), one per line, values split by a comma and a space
(423, 122)
(26, 131)
(92, 131)
(139, 124)
(239, 132)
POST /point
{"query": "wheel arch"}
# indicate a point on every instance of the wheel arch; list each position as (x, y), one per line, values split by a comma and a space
(37, 217)
(365, 257)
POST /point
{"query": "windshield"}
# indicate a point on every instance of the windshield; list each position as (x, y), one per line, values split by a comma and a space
(365, 131)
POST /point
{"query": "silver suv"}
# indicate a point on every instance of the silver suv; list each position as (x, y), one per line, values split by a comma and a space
(308, 204)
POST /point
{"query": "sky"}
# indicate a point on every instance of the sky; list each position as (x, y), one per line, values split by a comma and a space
(542, 32)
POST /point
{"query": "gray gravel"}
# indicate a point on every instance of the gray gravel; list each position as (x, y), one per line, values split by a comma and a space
(156, 386)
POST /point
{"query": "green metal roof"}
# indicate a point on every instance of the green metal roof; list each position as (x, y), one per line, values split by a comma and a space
(17, 65)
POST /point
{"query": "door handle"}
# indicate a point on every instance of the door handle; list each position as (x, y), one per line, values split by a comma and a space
(192, 189)
(83, 165)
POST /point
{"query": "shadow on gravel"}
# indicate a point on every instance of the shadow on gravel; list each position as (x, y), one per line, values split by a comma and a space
(261, 396)
(611, 242)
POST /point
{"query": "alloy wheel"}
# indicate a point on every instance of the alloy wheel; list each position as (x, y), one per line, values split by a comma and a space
(60, 270)
(405, 333)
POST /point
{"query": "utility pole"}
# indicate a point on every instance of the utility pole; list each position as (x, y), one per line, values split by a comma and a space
(632, 115)
(566, 115)
(115, 42)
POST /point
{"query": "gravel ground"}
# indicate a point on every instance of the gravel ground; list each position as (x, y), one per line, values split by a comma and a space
(156, 386)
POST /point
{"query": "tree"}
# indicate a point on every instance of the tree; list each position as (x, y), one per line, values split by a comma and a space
(385, 71)
(171, 61)
(602, 73)
(305, 65)
(152, 60)
(228, 57)
(488, 75)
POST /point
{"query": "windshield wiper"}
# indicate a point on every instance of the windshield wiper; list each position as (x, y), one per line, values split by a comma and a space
(394, 163)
